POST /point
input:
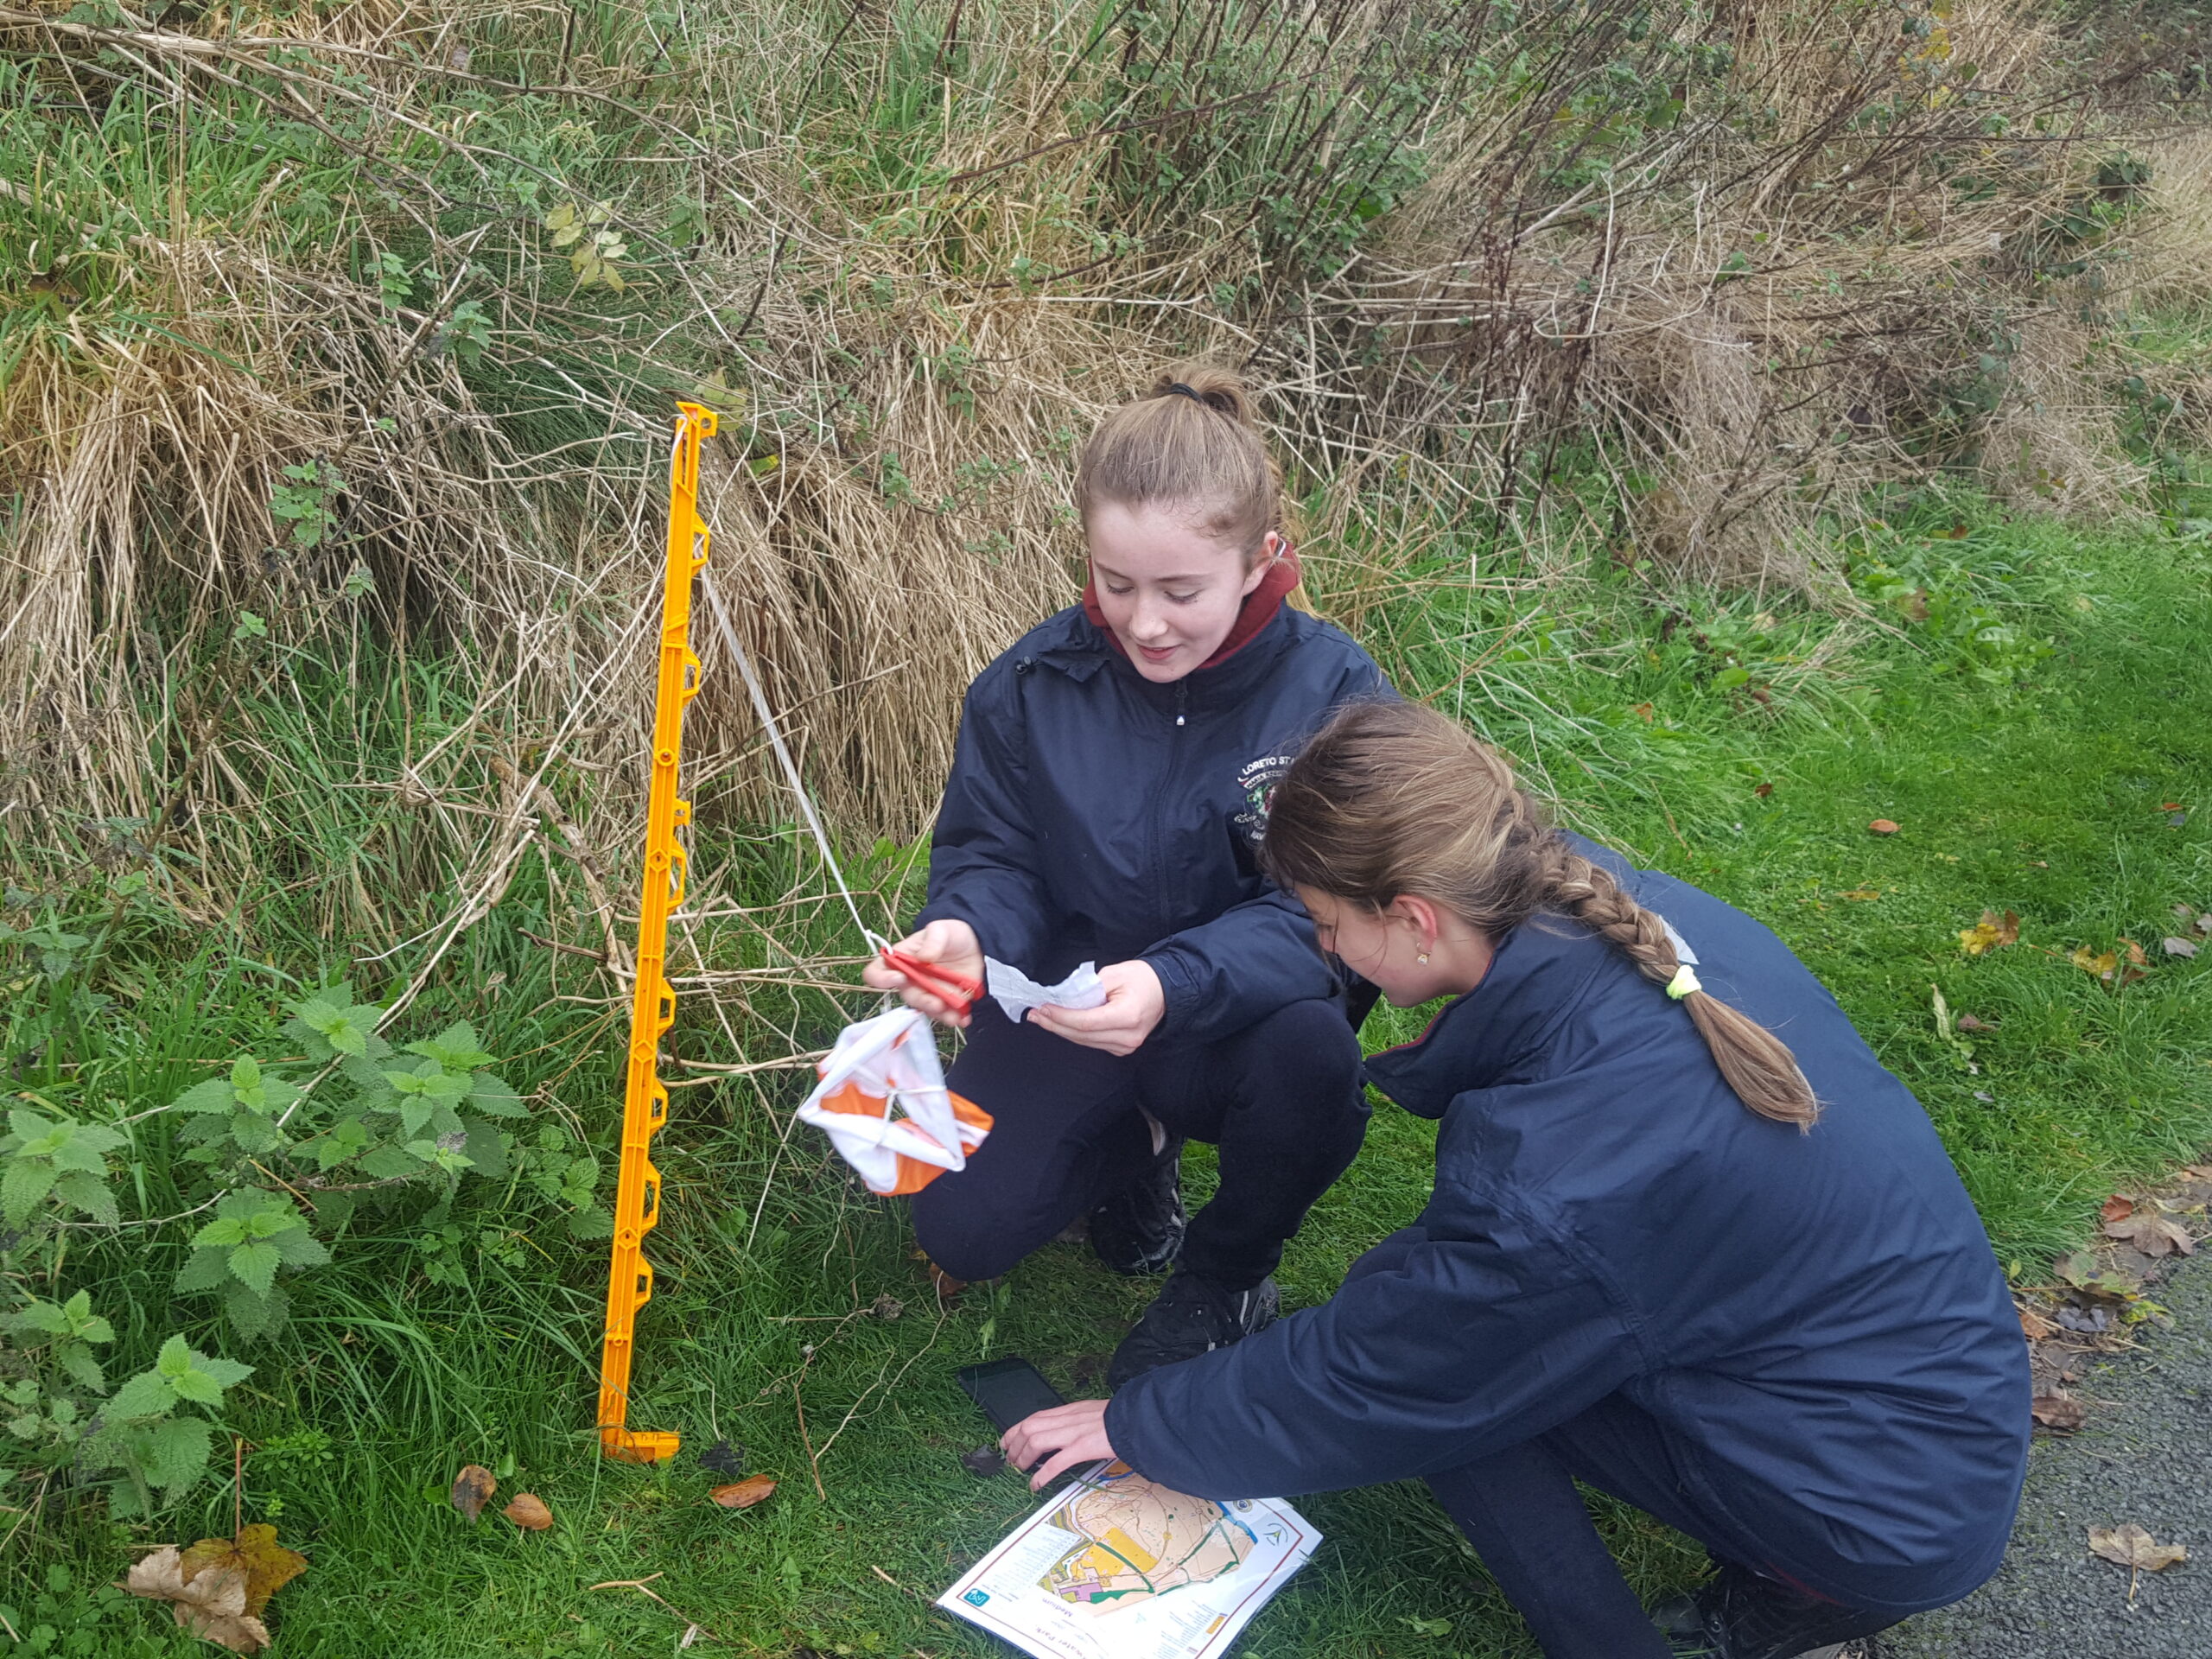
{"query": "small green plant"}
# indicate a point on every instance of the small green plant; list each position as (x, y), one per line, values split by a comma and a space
(309, 502)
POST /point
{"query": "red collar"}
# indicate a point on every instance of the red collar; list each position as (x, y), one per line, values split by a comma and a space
(1258, 609)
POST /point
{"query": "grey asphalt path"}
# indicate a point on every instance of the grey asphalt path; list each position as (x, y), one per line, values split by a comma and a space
(2144, 1456)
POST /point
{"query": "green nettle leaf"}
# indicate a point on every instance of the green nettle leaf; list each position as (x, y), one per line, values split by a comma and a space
(252, 1315)
(203, 1270)
(414, 1116)
(52, 1317)
(245, 1073)
(174, 1454)
(89, 1194)
(255, 1266)
(343, 1028)
(76, 1361)
(490, 1093)
(229, 1230)
(387, 1163)
(26, 1182)
(455, 1048)
(147, 1394)
(300, 1248)
(216, 1094)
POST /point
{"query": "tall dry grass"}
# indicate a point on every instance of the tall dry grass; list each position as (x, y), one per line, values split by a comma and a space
(1734, 264)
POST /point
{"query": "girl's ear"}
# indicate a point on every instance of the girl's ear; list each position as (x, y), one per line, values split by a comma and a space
(1418, 916)
(1270, 550)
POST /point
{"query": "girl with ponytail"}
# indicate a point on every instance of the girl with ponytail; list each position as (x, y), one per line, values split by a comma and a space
(1689, 1244)
(1104, 806)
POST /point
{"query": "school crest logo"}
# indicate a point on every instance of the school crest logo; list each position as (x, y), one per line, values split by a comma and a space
(1256, 782)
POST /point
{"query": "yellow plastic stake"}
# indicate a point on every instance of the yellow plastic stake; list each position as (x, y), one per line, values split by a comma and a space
(653, 1006)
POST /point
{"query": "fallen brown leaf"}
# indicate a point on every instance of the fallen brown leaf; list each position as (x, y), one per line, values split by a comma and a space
(1644, 712)
(1968, 1022)
(212, 1607)
(2135, 952)
(472, 1489)
(2153, 1234)
(1883, 826)
(1991, 932)
(2099, 963)
(1764, 790)
(2129, 1546)
(2118, 1207)
(985, 1461)
(743, 1494)
(2034, 1326)
(528, 1512)
(2059, 1410)
(1863, 895)
(268, 1566)
(2177, 947)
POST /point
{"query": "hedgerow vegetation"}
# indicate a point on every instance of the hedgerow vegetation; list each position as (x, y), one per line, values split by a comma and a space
(1758, 417)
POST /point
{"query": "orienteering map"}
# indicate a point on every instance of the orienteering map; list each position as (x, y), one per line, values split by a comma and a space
(1117, 1567)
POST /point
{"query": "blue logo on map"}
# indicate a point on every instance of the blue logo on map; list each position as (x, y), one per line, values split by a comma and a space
(977, 1597)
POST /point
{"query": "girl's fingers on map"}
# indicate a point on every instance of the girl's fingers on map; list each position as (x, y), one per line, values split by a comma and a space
(1063, 1436)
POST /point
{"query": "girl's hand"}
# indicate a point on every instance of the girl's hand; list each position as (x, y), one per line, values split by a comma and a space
(950, 943)
(1134, 1005)
(1064, 1436)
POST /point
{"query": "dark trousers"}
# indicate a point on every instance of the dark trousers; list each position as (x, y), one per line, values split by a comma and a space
(1280, 1099)
(1520, 1511)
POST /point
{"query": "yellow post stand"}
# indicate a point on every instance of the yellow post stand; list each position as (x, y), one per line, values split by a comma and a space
(653, 1005)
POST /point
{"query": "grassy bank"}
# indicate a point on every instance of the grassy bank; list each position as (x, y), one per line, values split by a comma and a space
(2021, 698)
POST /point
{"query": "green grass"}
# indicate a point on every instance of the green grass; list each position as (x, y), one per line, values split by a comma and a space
(2024, 777)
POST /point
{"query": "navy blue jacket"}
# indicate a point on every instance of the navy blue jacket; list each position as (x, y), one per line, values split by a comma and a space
(1092, 814)
(1816, 1320)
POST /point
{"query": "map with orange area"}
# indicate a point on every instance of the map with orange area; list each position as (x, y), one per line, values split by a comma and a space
(1137, 1540)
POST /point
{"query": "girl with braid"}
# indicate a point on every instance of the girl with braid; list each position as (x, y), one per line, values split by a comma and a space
(1689, 1243)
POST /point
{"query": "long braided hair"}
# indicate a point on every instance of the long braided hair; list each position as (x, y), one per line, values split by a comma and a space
(1392, 798)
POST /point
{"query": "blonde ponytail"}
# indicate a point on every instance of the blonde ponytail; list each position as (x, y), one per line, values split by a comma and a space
(1391, 798)
(1192, 446)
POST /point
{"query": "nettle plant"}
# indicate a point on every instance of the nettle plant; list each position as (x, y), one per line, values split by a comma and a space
(286, 1152)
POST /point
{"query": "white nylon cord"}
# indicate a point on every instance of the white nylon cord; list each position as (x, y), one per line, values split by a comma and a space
(791, 767)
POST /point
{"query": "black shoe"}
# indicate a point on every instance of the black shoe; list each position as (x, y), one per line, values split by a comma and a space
(1190, 1317)
(1738, 1615)
(1139, 1229)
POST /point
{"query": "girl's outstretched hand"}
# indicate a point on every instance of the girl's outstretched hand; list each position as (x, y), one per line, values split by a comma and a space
(1062, 1436)
(1134, 1004)
(951, 944)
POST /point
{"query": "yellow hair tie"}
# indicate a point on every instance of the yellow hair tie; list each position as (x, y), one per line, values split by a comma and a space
(1684, 981)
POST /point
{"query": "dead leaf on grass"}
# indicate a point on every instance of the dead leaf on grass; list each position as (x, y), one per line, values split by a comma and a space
(2129, 1546)
(528, 1512)
(2177, 947)
(984, 1460)
(1862, 894)
(1968, 1022)
(267, 1565)
(2135, 952)
(2100, 964)
(743, 1494)
(2034, 1326)
(472, 1489)
(723, 1459)
(211, 1606)
(1764, 790)
(2153, 1234)
(1883, 826)
(1991, 932)
(2059, 1411)
(2118, 1207)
